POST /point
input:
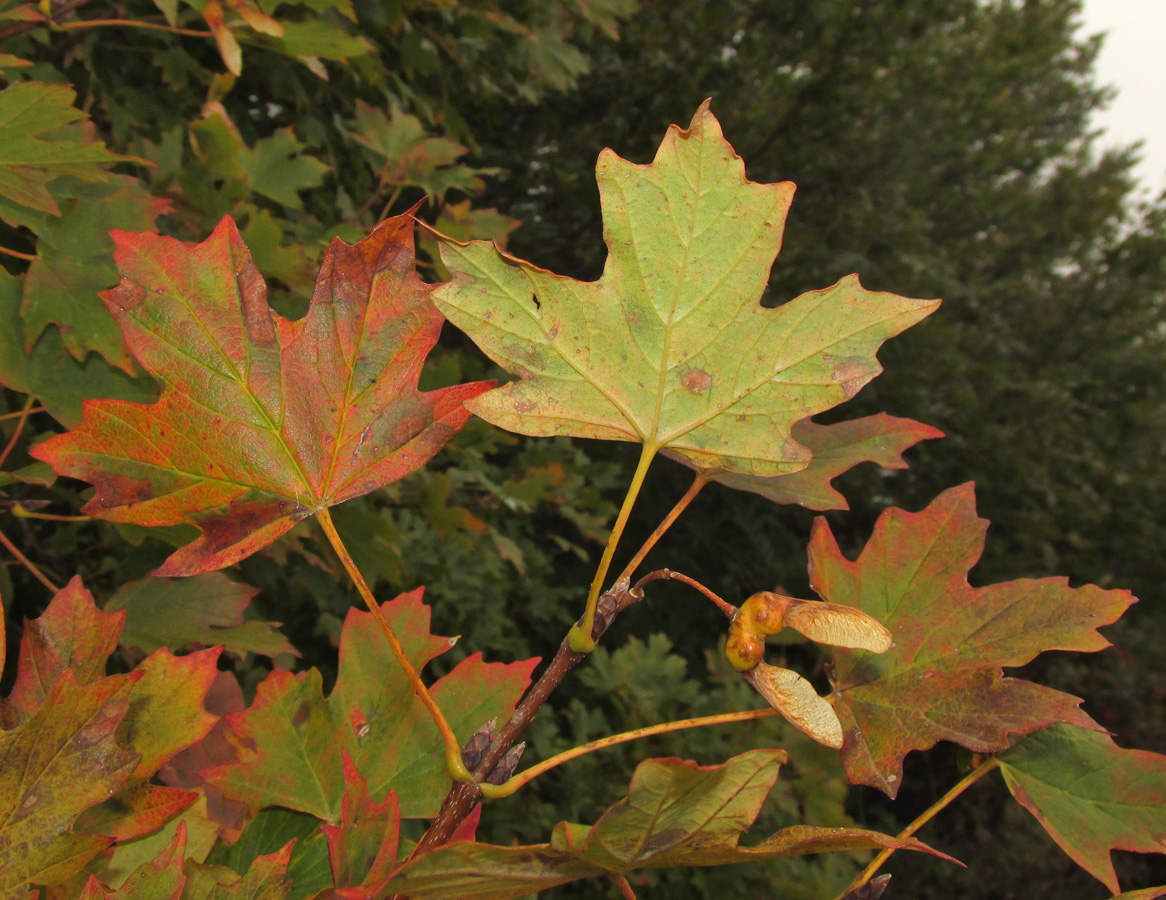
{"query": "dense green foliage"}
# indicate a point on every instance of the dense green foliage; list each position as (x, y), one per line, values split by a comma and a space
(940, 149)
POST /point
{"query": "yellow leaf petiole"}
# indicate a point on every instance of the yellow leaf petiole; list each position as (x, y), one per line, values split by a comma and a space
(622, 738)
(579, 638)
(453, 751)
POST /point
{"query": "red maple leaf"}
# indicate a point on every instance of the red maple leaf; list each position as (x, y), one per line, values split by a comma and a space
(942, 677)
(262, 421)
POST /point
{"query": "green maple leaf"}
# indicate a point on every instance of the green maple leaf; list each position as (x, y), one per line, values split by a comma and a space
(34, 148)
(265, 880)
(50, 372)
(299, 737)
(278, 168)
(204, 609)
(676, 813)
(262, 421)
(413, 158)
(271, 829)
(942, 678)
(1090, 795)
(74, 263)
(159, 878)
(671, 347)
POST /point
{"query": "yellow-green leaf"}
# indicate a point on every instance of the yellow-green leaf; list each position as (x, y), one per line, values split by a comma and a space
(671, 346)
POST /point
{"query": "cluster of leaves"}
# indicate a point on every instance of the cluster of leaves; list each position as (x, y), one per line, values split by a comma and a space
(244, 447)
(284, 166)
(940, 150)
(352, 101)
(263, 421)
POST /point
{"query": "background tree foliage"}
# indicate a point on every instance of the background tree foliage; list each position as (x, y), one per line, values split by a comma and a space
(939, 148)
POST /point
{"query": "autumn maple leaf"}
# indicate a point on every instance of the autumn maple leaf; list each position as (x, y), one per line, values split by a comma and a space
(671, 347)
(262, 421)
(942, 678)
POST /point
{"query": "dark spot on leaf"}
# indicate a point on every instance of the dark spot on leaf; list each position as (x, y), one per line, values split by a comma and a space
(525, 406)
(103, 723)
(852, 374)
(662, 839)
(695, 381)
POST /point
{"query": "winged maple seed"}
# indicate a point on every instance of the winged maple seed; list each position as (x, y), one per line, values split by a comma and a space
(786, 691)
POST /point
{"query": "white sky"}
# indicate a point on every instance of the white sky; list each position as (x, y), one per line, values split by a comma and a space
(1133, 59)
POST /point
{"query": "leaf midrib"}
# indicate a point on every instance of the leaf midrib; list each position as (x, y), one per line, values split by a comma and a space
(240, 376)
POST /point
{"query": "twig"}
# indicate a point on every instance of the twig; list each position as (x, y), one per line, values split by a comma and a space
(18, 414)
(372, 199)
(132, 23)
(463, 797)
(461, 800)
(27, 563)
(24, 413)
(392, 199)
(17, 253)
(59, 13)
(635, 734)
(667, 574)
(20, 512)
